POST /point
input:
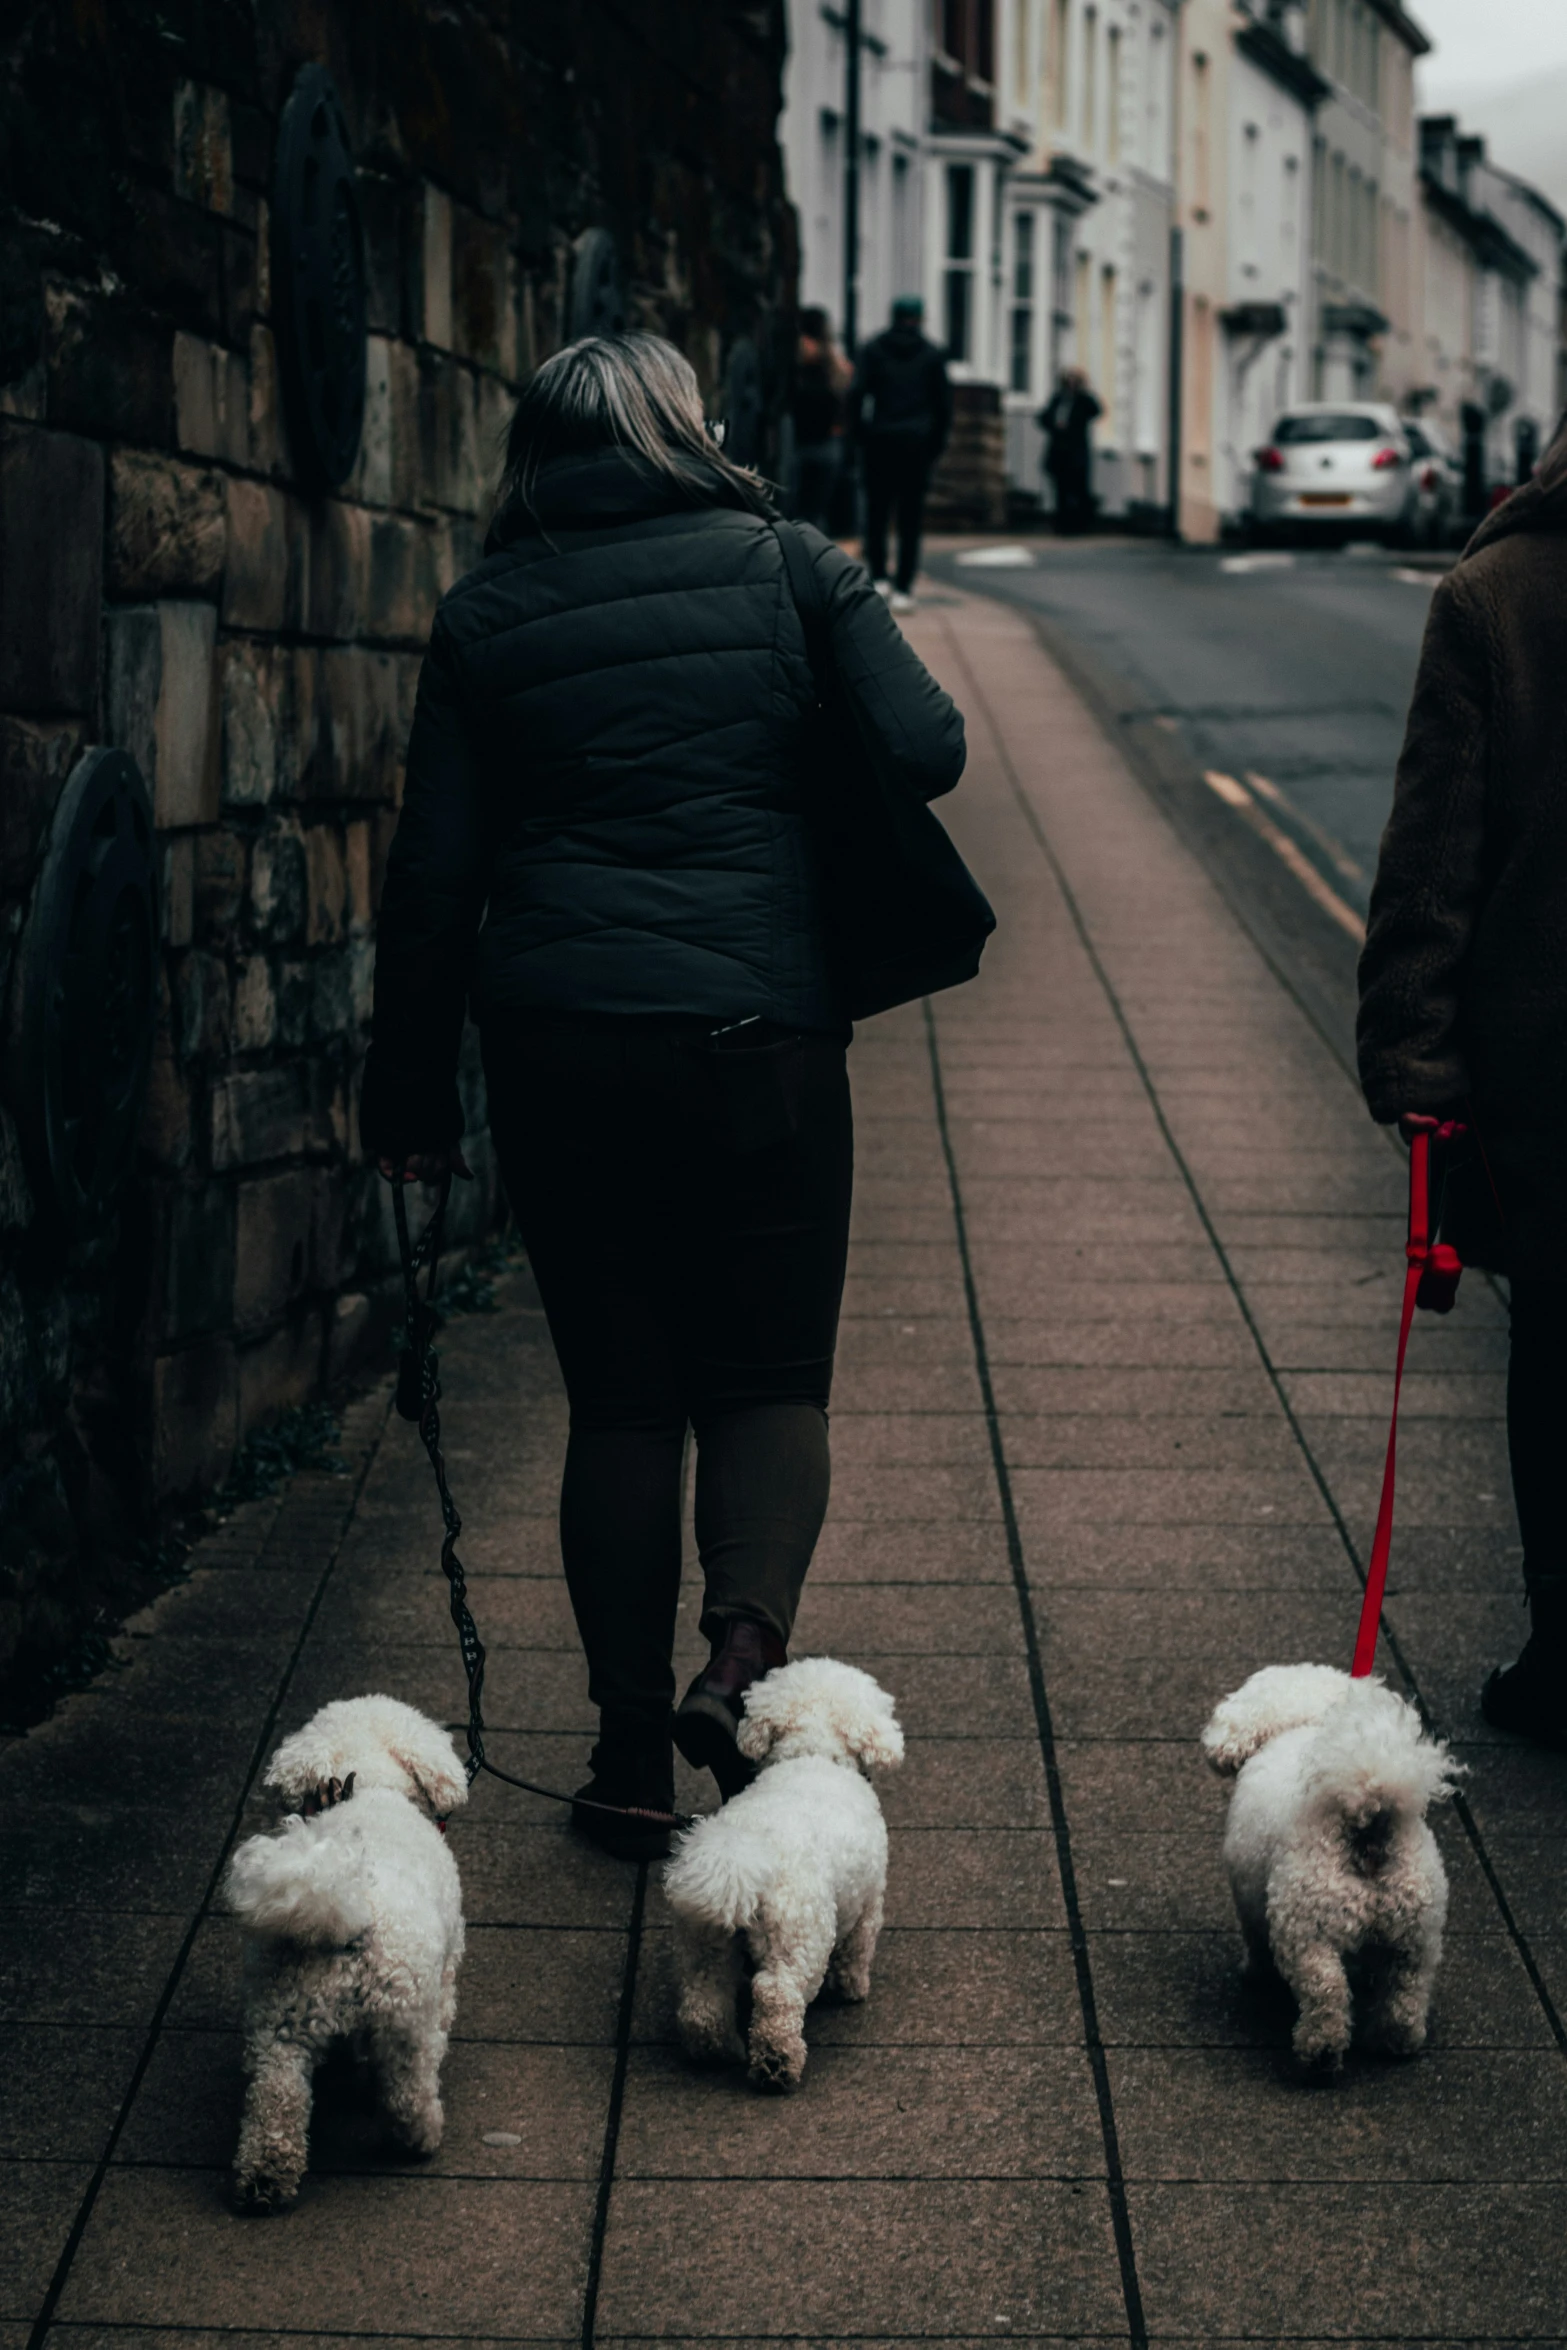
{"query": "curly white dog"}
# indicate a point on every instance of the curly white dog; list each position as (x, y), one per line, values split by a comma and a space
(353, 1923)
(791, 1874)
(1335, 1872)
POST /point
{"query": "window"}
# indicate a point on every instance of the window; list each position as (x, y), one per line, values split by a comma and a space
(1090, 62)
(1056, 62)
(1113, 93)
(1251, 142)
(1289, 219)
(1292, 430)
(1154, 156)
(1020, 374)
(951, 27)
(905, 266)
(958, 280)
(1107, 371)
(1082, 294)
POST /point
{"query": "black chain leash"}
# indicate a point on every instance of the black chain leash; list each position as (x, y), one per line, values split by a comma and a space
(418, 1400)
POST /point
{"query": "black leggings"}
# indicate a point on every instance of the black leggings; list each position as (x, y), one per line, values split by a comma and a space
(1536, 1434)
(685, 1206)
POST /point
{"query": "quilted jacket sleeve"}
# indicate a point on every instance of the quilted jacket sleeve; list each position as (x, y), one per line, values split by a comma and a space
(911, 728)
(1430, 874)
(429, 920)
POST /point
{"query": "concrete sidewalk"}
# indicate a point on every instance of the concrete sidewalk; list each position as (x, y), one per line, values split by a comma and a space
(1107, 1434)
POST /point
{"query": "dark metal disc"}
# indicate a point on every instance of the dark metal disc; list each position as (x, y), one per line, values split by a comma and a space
(87, 992)
(318, 282)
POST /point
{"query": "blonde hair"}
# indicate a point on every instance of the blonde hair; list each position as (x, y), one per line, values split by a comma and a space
(631, 391)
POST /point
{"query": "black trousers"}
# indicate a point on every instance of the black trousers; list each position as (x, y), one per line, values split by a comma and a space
(1536, 1434)
(895, 480)
(685, 1206)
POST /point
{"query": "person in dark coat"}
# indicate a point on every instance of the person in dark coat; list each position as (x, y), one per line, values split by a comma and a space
(900, 413)
(1463, 993)
(1066, 421)
(603, 847)
(821, 382)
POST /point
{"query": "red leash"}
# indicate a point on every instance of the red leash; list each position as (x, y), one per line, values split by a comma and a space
(1430, 1282)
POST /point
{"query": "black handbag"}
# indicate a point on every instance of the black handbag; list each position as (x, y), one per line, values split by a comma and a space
(905, 917)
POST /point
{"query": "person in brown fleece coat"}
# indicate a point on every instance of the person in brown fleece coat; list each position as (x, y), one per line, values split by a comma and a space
(1463, 994)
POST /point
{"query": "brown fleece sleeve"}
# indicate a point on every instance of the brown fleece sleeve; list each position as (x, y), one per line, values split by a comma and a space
(1430, 873)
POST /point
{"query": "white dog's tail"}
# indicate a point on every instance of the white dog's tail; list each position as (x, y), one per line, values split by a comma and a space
(300, 1886)
(715, 1878)
(1372, 1764)
(1279, 1698)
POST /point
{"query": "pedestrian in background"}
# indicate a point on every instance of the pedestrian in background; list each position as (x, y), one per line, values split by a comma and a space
(1066, 421)
(900, 411)
(822, 377)
(1463, 994)
(606, 771)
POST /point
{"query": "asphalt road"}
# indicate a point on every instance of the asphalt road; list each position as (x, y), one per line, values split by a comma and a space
(1287, 673)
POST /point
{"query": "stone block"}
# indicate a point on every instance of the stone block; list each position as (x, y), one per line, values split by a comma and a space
(194, 1269)
(161, 693)
(211, 400)
(166, 1137)
(255, 1005)
(293, 999)
(273, 1251)
(482, 299)
(326, 885)
(404, 578)
(361, 966)
(339, 569)
(268, 434)
(241, 274)
(252, 680)
(279, 890)
(281, 1371)
(449, 438)
(168, 531)
(436, 306)
(19, 1397)
(494, 402)
(218, 896)
(51, 578)
(356, 866)
(371, 479)
(110, 368)
(354, 1332)
(203, 147)
(177, 897)
(262, 1114)
(383, 210)
(332, 1015)
(359, 722)
(35, 759)
(195, 1416)
(403, 422)
(383, 833)
(200, 987)
(256, 581)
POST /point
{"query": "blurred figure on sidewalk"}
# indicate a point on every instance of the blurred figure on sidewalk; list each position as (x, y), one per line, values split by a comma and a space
(1066, 420)
(900, 412)
(1463, 995)
(822, 377)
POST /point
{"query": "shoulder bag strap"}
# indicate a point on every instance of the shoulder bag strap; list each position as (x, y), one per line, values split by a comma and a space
(806, 590)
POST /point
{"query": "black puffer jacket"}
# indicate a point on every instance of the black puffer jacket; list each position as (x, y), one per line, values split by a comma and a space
(605, 771)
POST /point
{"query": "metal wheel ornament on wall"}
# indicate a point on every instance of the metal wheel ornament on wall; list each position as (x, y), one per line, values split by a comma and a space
(318, 281)
(87, 992)
(596, 304)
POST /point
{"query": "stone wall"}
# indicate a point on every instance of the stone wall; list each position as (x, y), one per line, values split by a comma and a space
(167, 586)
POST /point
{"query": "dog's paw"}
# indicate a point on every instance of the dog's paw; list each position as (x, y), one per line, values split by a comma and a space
(1395, 2036)
(776, 2069)
(417, 2137)
(262, 2194)
(1316, 2062)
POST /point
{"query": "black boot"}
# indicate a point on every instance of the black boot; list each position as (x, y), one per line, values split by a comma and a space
(631, 1774)
(708, 1715)
(1530, 1697)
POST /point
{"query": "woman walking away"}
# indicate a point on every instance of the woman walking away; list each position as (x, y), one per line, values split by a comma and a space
(1463, 994)
(606, 772)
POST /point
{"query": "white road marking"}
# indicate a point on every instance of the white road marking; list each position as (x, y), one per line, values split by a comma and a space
(997, 558)
(1425, 579)
(1235, 795)
(1279, 562)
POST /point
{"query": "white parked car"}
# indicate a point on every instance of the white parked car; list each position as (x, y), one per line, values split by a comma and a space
(1335, 466)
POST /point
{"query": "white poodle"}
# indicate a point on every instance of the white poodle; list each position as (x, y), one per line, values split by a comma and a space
(353, 1922)
(1335, 1873)
(790, 1874)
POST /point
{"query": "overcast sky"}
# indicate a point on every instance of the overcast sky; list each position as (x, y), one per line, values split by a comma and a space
(1485, 44)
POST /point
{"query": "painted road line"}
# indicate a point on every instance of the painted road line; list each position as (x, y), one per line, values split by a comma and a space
(1335, 852)
(1425, 579)
(1236, 796)
(997, 558)
(1245, 563)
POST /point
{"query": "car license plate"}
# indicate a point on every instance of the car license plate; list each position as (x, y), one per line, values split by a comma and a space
(1324, 497)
